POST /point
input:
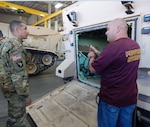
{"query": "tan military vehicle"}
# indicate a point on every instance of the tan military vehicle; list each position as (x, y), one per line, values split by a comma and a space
(44, 47)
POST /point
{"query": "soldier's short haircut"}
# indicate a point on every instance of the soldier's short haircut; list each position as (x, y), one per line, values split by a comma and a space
(15, 23)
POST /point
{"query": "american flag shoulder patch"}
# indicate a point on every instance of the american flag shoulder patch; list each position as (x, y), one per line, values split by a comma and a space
(16, 57)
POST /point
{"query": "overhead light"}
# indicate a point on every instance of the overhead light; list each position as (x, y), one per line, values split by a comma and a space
(42, 15)
(58, 5)
(14, 8)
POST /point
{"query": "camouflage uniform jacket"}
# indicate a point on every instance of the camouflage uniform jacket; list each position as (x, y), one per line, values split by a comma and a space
(15, 76)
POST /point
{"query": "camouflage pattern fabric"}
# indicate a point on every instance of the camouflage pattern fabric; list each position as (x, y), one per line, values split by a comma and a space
(14, 81)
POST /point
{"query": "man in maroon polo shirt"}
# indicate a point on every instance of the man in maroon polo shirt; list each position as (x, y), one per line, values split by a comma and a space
(118, 65)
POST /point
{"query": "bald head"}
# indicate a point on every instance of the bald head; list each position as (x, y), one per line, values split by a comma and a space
(116, 29)
(121, 23)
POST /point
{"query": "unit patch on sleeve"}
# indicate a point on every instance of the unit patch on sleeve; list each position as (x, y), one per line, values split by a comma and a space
(20, 64)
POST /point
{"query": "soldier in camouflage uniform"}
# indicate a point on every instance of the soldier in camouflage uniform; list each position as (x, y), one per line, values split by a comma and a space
(15, 85)
(2, 39)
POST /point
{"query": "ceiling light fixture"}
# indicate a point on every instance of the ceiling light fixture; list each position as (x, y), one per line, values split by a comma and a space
(14, 8)
(58, 5)
(42, 15)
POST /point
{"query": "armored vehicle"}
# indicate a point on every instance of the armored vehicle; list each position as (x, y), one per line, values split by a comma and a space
(44, 47)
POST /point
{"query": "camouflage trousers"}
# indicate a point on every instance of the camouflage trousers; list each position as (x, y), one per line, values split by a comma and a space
(16, 110)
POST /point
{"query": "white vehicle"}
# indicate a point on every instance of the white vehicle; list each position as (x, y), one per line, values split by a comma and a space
(85, 24)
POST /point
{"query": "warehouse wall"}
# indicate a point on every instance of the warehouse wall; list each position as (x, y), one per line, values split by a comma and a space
(8, 18)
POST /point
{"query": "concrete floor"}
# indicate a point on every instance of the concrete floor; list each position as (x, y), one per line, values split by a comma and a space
(40, 85)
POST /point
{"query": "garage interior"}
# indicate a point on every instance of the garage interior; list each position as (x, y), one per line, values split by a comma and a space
(33, 11)
(47, 81)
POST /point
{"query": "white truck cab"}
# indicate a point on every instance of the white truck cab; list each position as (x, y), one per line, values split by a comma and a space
(85, 24)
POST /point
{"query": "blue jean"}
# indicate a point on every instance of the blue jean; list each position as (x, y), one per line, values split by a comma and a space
(112, 116)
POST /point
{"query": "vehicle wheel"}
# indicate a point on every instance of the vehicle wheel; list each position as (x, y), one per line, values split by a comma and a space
(31, 68)
(47, 59)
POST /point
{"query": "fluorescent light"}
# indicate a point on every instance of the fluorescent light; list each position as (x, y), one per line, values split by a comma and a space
(14, 8)
(42, 15)
(58, 5)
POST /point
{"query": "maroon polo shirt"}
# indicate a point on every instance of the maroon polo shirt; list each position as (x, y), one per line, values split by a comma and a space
(118, 65)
